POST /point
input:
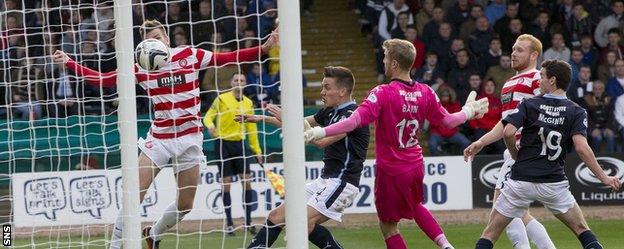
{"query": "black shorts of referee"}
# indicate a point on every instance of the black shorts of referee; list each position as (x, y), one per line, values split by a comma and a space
(234, 157)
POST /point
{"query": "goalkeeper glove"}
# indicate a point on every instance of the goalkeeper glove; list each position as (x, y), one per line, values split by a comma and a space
(475, 108)
(315, 133)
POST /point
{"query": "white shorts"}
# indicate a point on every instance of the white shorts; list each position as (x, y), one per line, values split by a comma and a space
(516, 197)
(330, 196)
(505, 171)
(183, 152)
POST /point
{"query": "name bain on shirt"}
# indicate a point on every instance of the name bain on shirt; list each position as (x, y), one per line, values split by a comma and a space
(410, 97)
(554, 112)
(171, 80)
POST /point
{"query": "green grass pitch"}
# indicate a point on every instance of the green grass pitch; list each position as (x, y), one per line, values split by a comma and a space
(462, 236)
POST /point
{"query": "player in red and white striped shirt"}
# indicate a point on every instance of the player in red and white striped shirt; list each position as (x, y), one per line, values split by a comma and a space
(525, 84)
(176, 131)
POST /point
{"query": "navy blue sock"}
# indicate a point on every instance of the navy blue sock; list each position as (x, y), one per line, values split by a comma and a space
(484, 244)
(266, 236)
(227, 205)
(248, 204)
(323, 238)
(589, 240)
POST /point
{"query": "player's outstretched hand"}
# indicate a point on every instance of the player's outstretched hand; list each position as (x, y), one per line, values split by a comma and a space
(472, 150)
(247, 118)
(612, 182)
(275, 111)
(475, 108)
(273, 41)
(315, 133)
(60, 57)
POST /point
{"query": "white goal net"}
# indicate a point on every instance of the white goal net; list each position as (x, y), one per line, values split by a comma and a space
(60, 177)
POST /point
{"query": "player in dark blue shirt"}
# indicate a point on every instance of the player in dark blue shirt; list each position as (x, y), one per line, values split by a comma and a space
(551, 125)
(344, 157)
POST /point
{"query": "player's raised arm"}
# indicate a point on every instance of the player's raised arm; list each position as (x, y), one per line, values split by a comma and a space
(472, 109)
(208, 59)
(365, 114)
(92, 76)
(587, 155)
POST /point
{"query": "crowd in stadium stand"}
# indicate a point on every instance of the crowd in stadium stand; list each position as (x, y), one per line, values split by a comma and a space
(462, 45)
(465, 45)
(38, 88)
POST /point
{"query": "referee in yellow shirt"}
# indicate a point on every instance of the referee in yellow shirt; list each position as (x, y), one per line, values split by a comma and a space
(230, 146)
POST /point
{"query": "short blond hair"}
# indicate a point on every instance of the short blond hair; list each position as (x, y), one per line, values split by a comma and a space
(536, 44)
(149, 25)
(401, 51)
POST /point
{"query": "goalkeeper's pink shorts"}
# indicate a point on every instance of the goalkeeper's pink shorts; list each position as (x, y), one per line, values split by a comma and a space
(397, 195)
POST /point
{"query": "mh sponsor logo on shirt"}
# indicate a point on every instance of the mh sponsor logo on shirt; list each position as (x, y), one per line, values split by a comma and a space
(173, 80)
(612, 167)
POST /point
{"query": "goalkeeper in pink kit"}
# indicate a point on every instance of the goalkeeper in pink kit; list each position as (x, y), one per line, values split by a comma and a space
(399, 110)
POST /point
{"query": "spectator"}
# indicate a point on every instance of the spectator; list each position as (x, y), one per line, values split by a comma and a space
(543, 29)
(576, 60)
(528, 9)
(441, 44)
(218, 44)
(203, 25)
(490, 119)
(429, 72)
(615, 86)
(180, 39)
(458, 14)
(424, 15)
(582, 86)
(460, 73)
(590, 55)
(388, 19)
(104, 18)
(578, 25)
(501, 26)
(260, 87)
(480, 39)
(412, 35)
(491, 57)
(565, 11)
(606, 71)
(516, 28)
(618, 113)
(600, 115)
(474, 81)
(501, 72)
(26, 89)
(495, 11)
(612, 21)
(614, 38)
(558, 51)
(250, 39)
(470, 25)
(372, 12)
(401, 28)
(431, 29)
(440, 134)
(70, 41)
